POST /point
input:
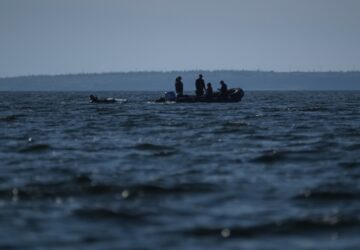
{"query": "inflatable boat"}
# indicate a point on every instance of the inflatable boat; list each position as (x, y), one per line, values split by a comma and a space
(234, 95)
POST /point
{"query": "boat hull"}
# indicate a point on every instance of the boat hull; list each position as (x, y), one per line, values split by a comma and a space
(234, 95)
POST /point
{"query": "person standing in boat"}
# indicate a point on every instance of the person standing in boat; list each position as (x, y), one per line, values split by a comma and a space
(179, 87)
(223, 90)
(200, 86)
(209, 91)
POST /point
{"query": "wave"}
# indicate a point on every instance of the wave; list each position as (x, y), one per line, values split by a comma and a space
(270, 156)
(154, 150)
(328, 195)
(233, 127)
(110, 214)
(83, 185)
(350, 164)
(36, 148)
(285, 227)
(151, 147)
(353, 147)
(11, 118)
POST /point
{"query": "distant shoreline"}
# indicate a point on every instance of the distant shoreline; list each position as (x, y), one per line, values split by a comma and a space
(163, 81)
(179, 71)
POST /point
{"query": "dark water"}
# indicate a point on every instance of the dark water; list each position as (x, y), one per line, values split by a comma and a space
(280, 170)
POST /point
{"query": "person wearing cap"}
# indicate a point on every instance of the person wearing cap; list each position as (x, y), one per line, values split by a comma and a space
(223, 90)
(200, 86)
(179, 87)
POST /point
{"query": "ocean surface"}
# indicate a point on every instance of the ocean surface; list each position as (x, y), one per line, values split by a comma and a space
(279, 170)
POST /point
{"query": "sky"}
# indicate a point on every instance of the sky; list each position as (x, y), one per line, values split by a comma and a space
(87, 36)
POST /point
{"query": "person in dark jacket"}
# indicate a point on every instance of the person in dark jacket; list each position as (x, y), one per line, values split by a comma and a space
(223, 90)
(200, 86)
(179, 87)
(209, 91)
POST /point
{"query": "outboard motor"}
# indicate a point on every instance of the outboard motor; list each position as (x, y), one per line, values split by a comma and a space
(170, 96)
(236, 94)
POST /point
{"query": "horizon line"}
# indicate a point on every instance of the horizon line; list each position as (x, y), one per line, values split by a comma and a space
(173, 71)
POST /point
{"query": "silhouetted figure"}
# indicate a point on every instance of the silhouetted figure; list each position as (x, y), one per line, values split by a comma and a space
(223, 90)
(179, 87)
(93, 98)
(200, 86)
(209, 91)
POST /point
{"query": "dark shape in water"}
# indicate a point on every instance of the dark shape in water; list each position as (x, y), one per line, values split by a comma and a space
(234, 95)
(95, 99)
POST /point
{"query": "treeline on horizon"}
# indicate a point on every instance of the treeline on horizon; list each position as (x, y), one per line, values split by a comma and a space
(159, 81)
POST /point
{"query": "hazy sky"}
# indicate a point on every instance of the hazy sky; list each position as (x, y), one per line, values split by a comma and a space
(75, 36)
